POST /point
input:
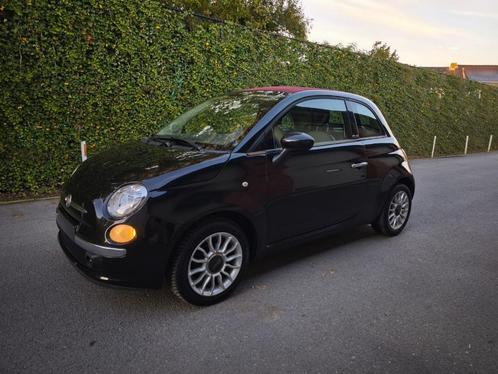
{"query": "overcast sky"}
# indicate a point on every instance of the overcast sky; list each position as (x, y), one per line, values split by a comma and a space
(424, 32)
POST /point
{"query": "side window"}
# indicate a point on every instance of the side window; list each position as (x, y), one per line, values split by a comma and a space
(368, 125)
(324, 119)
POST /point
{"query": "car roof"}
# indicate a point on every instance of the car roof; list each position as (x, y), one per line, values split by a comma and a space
(286, 89)
(307, 91)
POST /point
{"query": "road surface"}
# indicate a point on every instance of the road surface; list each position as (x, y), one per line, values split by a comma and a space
(423, 302)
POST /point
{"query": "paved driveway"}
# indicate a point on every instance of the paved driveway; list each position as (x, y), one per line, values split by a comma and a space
(426, 301)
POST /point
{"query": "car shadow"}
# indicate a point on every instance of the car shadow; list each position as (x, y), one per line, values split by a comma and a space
(163, 300)
(281, 257)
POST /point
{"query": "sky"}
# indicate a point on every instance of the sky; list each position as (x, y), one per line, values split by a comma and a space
(424, 32)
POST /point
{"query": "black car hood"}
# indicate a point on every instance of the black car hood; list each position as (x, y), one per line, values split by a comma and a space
(153, 165)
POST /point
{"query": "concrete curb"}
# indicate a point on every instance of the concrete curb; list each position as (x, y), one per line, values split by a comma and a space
(8, 202)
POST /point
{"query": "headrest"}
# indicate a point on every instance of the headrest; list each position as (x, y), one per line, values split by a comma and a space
(320, 117)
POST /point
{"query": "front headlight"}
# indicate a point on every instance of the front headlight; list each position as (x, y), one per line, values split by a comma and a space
(126, 200)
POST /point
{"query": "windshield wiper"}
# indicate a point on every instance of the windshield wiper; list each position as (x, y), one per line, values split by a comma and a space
(173, 139)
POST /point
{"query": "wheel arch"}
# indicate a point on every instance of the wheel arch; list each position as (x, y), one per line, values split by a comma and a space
(242, 220)
(409, 182)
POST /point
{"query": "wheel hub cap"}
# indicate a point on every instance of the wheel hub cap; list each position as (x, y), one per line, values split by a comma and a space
(215, 264)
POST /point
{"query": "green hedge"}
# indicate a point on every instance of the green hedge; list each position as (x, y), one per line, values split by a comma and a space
(109, 71)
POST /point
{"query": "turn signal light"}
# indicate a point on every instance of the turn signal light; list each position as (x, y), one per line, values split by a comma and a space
(122, 234)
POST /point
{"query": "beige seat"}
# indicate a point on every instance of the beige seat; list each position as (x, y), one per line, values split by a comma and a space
(278, 134)
(321, 136)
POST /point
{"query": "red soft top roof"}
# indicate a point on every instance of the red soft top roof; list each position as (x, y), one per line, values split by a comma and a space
(288, 89)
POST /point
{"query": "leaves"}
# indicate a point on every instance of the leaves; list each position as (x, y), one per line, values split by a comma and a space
(103, 72)
(285, 17)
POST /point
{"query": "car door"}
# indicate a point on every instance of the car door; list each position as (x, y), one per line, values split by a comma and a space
(320, 187)
(380, 150)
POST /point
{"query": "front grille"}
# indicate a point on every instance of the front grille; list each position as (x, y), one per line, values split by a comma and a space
(73, 219)
(79, 213)
(75, 215)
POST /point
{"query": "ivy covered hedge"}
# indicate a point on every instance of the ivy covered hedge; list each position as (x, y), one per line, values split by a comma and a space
(107, 71)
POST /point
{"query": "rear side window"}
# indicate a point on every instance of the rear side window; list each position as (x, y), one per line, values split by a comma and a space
(324, 119)
(368, 124)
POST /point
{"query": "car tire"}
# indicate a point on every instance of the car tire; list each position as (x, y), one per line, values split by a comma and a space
(395, 213)
(210, 261)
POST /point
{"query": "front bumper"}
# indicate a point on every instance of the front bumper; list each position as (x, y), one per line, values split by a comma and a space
(95, 249)
(134, 266)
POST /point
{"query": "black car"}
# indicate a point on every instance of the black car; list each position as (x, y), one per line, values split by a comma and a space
(228, 180)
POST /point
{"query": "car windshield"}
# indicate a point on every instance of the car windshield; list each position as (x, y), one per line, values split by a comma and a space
(220, 123)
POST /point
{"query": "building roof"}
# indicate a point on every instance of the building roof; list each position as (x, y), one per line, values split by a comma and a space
(482, 73)
(487, 74)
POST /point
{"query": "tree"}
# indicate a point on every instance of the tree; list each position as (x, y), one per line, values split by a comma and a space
(383, 51)
(285, 17)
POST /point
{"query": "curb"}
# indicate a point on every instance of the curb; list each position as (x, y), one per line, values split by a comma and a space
(28, 200)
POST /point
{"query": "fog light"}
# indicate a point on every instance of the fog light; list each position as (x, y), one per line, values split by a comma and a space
(122, 234)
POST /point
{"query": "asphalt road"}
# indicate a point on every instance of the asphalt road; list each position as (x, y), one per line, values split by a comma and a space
(423, 302)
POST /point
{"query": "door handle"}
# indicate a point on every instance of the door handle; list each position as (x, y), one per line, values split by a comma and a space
(359, 165)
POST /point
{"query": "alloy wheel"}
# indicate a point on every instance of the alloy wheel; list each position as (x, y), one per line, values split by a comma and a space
(399, 208)
(215, 263)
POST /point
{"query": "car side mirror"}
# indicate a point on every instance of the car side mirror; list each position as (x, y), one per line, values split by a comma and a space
(294, 142)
